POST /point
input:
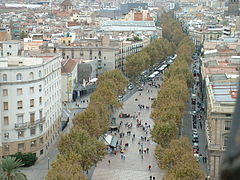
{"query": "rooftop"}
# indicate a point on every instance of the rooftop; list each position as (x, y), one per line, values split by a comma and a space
(68, 66)
(225, 92)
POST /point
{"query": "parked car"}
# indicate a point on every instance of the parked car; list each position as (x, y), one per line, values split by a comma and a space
(140, 89)
(120, 98)
(124, 115)
(130, 87)
(195, 140)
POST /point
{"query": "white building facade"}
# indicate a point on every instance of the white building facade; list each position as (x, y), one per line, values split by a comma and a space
(30, 103)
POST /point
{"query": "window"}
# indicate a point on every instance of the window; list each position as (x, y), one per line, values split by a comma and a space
(19, 77)
(33, 144)
(20, 119)
(6, 148)
(6, 135)
(19, 91)
(40, 88)
(5, 106)
(40, 114)
(228, 124)
(4, 77)
(41, 152)
(31, 76)
(40, 100)
(20, 134)
(40, 74)
(6, 121)
(41, 140)
(20, 147)
(20, 104)
(31, 89)
(32, 131)
(5, 92)
(31, 102)
(41, 128)
(32, 117)
(225, 140)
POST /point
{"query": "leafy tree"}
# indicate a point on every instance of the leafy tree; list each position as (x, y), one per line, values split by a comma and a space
(164, 132)
(9, 169)
(186, 168)
(169, 157)
(114, 79)
(23, 35)
(87, 148)
(95, 120)
(68, 169)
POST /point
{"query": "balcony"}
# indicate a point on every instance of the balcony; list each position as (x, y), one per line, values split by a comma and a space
(35, 123)
(21, 125)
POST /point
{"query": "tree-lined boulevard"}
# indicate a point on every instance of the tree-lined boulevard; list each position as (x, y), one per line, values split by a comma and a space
(149, 145)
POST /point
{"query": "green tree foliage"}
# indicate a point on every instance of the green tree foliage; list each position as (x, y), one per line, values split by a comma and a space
(174, 154)
(88, 149)
(164, 132)
(151, 54)
(168, 157)
(95, 122)
(179, 161)
(67, 169)
(27, 159)
(23, 35)
(9, 169)
(81, 146)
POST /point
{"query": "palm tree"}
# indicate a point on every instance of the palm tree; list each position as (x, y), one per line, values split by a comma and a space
(9, 169)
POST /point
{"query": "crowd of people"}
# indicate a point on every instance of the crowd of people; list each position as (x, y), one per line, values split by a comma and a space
(135, 130)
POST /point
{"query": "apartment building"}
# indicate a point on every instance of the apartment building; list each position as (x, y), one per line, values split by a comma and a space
(221, 79)
(108, 54)
(30, 103)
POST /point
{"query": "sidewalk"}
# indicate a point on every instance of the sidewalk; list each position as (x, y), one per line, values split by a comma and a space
(133, 167)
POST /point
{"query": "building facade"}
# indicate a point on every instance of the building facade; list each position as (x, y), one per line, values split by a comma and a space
(30, 104)
(233, 7)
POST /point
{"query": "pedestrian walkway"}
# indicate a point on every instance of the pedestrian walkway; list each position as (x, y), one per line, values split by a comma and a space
(135, 164)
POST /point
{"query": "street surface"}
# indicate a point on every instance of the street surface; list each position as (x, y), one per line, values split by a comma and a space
(133, 167)
(187, 124)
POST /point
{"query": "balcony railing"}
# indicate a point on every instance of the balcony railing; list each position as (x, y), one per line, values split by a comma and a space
(29, 124)
(39, 121)
(21, 125)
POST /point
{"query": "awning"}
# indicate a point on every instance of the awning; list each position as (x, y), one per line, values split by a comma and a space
(109, 140)
(114, 141)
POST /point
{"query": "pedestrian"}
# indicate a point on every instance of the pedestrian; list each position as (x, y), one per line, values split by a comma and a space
(147, 150)
(150, 178)
(153, 178)
(203, 158)
(109, 162)
(149, 167)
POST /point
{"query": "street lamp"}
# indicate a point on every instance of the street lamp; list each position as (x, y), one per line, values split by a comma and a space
(48, 161)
